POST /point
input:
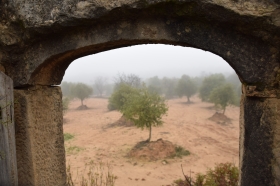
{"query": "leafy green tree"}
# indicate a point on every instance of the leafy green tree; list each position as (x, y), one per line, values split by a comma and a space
(144, 109)
(81, 91)
(124, 84)
(117, 99)
(209, 83)
(223, 96)
(186, 87)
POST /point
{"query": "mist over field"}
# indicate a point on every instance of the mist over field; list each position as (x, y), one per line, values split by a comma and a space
(147, 61)
(188, 96)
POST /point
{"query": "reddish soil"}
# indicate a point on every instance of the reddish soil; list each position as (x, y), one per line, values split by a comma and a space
(100, 136)
(220, 118)
(82, 107)
(152, 151)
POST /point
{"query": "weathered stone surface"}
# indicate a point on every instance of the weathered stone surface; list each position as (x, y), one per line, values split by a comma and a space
(2, 69)
(260, 142)
(39, 136)
(41, 38)
(8, 162)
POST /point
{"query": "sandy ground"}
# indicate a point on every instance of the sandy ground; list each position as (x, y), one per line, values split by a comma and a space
(186, 125)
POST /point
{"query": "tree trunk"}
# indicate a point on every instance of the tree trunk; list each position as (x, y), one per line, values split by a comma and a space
(188, 99)
(150, 134)
(224, 111)
(82, 102)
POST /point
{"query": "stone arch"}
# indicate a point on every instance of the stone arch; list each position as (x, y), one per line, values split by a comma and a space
(193, 24)
(39, 40)
(242, 53)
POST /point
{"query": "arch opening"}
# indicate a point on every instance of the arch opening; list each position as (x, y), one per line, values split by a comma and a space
(181, 125)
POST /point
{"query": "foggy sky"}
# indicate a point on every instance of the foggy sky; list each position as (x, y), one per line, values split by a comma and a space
(146, 61)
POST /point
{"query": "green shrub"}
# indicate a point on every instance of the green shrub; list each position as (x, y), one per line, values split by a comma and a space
(180, 152)
(224, 174)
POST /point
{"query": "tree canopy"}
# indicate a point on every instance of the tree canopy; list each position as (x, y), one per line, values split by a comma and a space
(124, 84)
(223, 96)
(81, 91)
(186, 87)
(145, 109)
(118, 97)
(209, 83)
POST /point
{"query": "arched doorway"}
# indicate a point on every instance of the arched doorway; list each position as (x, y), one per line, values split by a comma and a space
(100, 134)
(247, 39)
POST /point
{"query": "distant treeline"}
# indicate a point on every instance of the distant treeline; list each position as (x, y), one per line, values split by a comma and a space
(168, 87)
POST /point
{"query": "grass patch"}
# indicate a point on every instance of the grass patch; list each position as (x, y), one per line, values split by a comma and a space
(180, 152)
(68, 136)
(97, 174)
(73, 149)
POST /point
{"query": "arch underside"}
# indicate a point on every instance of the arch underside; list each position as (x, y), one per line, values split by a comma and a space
(210, 28)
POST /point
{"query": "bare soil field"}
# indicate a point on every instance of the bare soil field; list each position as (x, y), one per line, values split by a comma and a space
(97, 138)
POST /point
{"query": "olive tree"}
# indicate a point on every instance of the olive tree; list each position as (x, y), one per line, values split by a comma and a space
(145, 109)
(124, 84)
(81, 91)
(209, 83)
(186, 87)
(117, 99)
(223, 95)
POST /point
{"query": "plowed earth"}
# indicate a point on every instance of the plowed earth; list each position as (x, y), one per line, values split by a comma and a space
(99, 136)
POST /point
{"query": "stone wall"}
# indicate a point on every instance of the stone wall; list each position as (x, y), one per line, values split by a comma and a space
(260, 141)
(39, 136)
